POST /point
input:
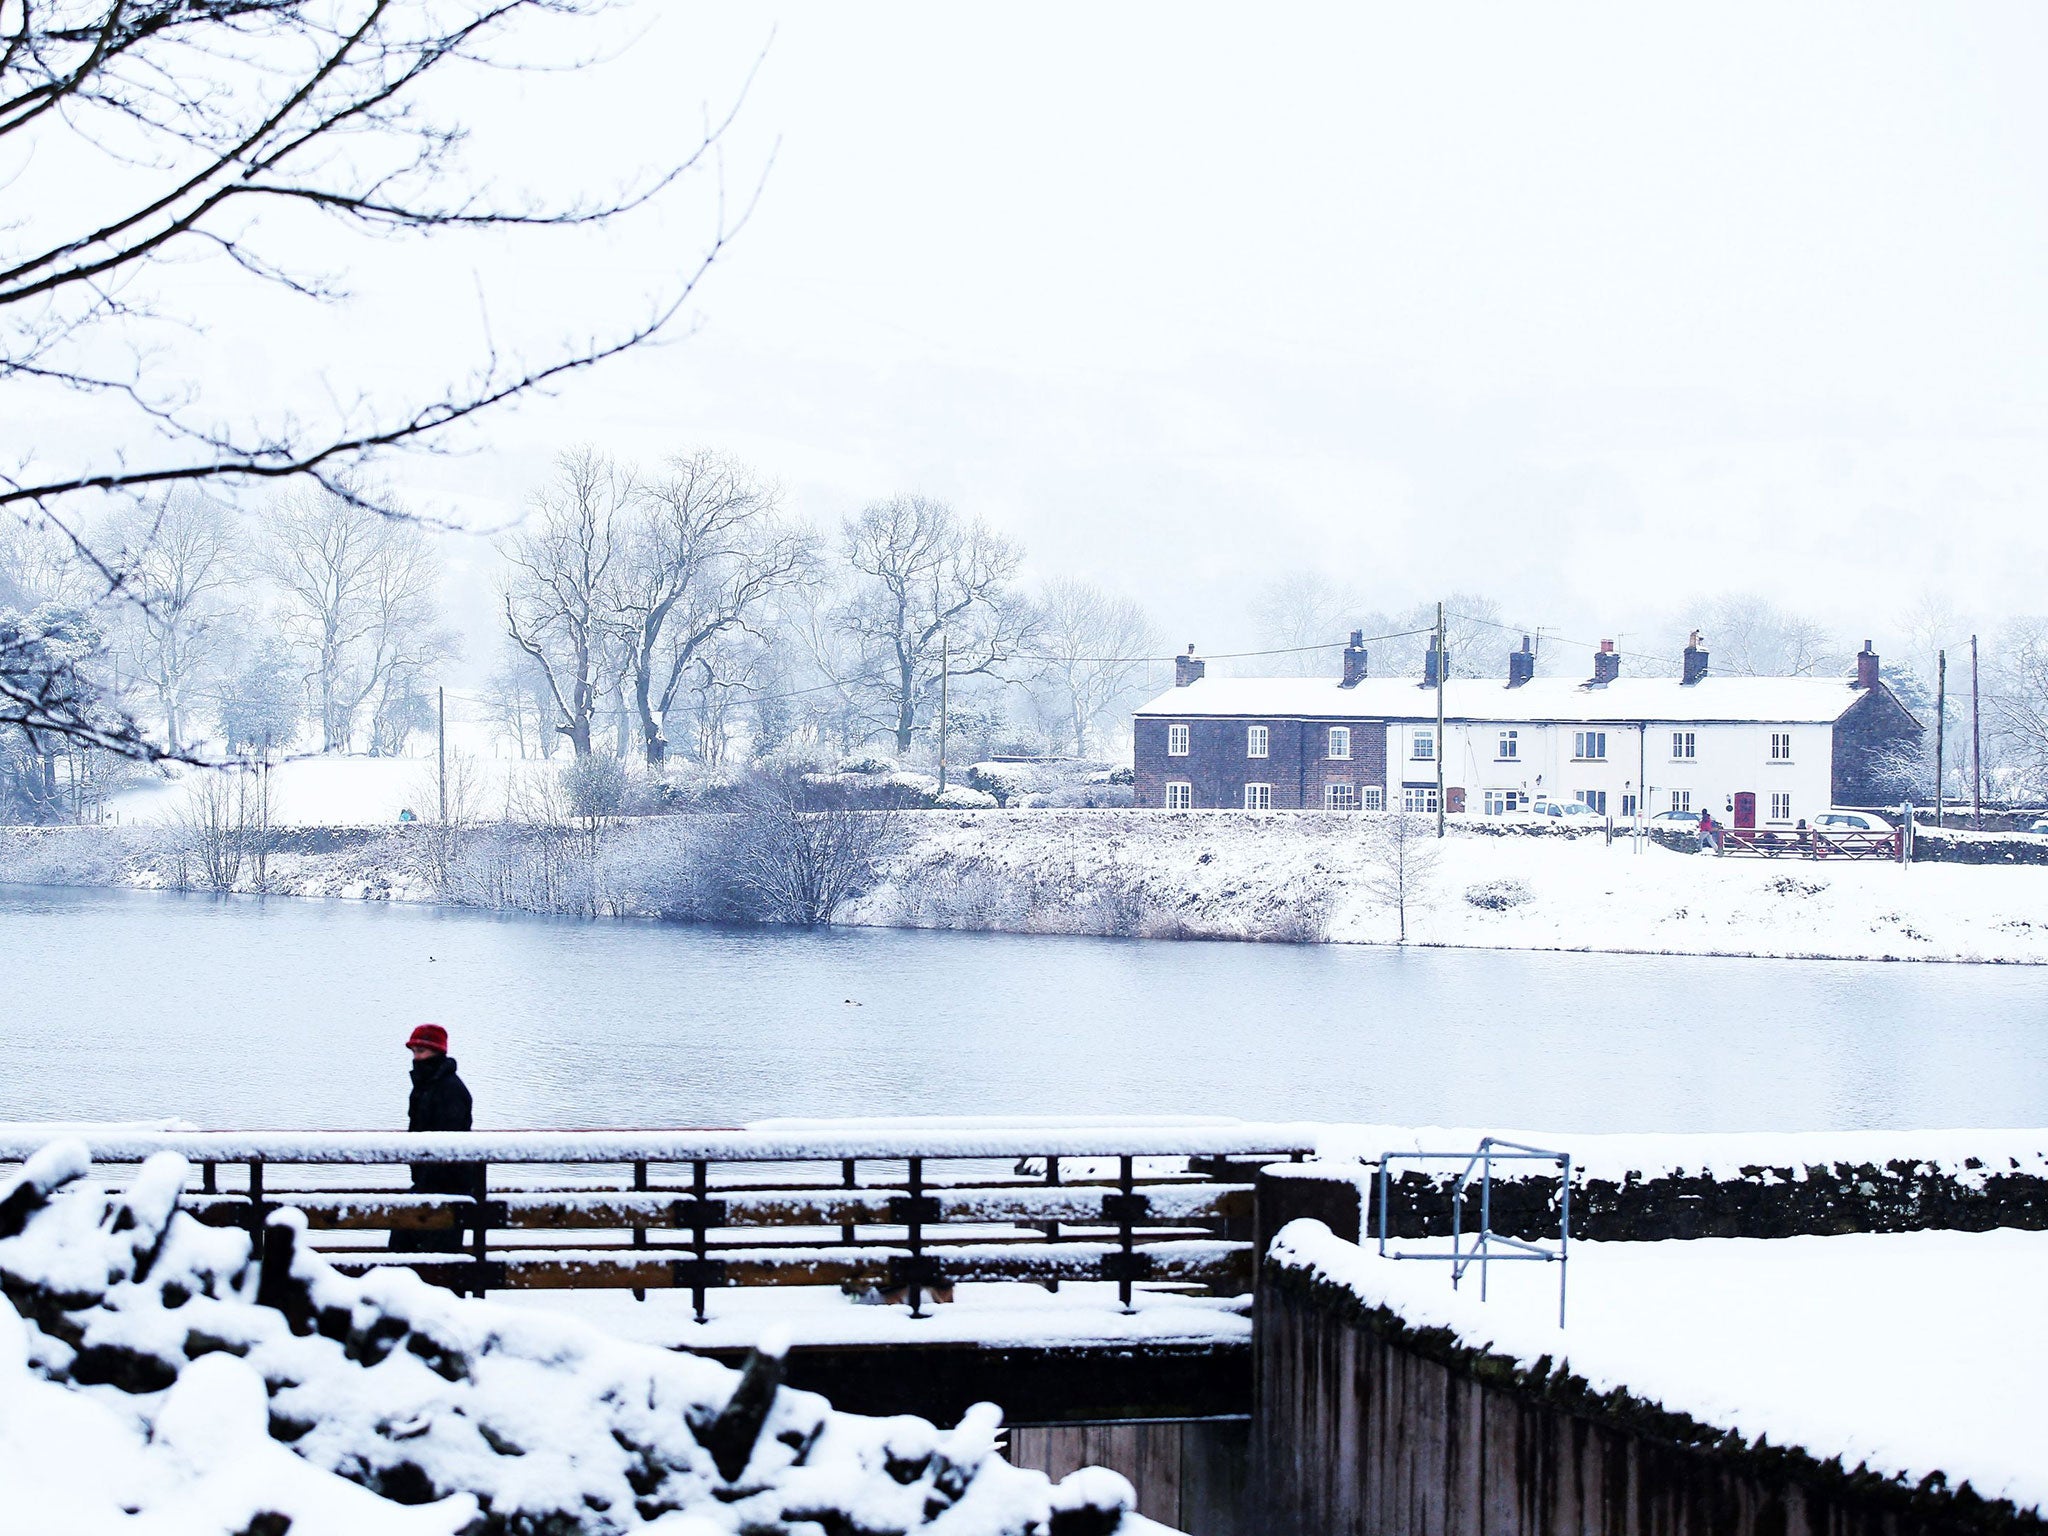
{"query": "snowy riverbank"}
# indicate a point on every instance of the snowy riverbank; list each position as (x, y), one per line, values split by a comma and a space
(1284, 876)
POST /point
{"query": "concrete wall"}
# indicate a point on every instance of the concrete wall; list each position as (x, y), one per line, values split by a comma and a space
(1362, 1427)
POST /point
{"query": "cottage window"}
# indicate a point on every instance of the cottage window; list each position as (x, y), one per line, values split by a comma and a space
(1594, 800)
(1258, 797)
(1781, 807)
(1340, 741)
(1176, 741)
(1180, 796)
(1418, 799)
(1684, 745)
(1255, 741)
(1510, 745)
(1589, 746)
(1628, 805)
(1781, 746)
(1340, 797)
(1423, 747)
(1498, 802)
(1372, 798)
(1681, 800)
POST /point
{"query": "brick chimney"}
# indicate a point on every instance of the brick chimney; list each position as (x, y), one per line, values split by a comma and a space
(1606, 663)
(1189, 668)
(1354, 660)
(1866, 667)
(1434, 665)
(1521, 665)
(1695, 659)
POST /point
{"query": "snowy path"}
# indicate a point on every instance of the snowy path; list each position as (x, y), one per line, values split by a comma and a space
(1913, 1353)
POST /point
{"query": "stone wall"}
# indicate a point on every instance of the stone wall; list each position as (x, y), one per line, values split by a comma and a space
(1362, 1424)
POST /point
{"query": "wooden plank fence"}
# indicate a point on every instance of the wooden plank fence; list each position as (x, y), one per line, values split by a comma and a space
(901, 1213)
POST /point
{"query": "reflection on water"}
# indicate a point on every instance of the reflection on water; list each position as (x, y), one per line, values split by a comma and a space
(246, 1013)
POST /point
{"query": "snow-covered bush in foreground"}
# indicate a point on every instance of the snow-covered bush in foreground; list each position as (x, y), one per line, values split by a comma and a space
(153, 1372)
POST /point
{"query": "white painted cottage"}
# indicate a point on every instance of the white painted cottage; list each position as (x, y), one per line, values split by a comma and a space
(1755, 751)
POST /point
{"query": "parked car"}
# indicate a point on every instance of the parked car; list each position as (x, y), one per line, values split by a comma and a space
(1850, 821)
(1565, 808)
(1682, 820)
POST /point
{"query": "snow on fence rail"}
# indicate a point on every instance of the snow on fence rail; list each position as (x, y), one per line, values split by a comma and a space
(793, 1205)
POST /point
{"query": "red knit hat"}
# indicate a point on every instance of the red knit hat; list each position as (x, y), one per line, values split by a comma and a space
(433, 1036)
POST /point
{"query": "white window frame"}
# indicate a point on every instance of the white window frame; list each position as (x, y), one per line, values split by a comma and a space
(1681, 800)
(1781, 805)
(1510, 747)
(1781, 746)
(1180, 795)
(1589, 746)
(1418, 799)
(1340, 796)
(1176, 741)
(1258, 797)
(1340, 743)
(1372, 798)
(1422, 747)
(1498, 802)
(1685, 746)
(1258, 741)
(1594, 800)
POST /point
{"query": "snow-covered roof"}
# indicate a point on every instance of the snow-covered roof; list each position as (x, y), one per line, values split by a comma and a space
(1787, 700)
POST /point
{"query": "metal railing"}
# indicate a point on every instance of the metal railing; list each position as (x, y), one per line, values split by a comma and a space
(899, 1214)
(1491, 1149)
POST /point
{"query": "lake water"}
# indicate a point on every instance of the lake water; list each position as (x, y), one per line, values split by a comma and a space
(244, 1013)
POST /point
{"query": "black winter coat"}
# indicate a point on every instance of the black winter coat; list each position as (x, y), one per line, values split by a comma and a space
(440, 1102)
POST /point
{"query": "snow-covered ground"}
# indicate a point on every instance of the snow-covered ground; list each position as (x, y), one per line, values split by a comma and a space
(1301, 876)
(1231, 874)
(345, 791)
(1910, 1353)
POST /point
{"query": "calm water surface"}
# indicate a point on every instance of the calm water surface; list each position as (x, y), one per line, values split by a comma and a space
(248, 1013)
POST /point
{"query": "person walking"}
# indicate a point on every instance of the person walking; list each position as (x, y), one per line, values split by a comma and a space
(440, 1102)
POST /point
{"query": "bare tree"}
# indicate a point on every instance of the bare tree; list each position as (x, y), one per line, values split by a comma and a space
(178, 560)
(1308, 614)
(1749, 636)
(932, 595)
(1402, 851)
(167, 157)
(1092, 650)
(704, 552)
(562, 589)
(518, 696)
(2018, 706)
(358, 590)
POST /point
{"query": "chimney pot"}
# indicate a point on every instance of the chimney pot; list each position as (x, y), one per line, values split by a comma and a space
(1606, 663)
(1866, 667)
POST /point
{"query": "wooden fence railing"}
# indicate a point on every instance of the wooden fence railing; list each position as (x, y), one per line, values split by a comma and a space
(1808, 843)
(896, 1211)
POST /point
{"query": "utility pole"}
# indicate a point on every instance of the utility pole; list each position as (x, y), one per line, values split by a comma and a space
(1443, 665)
(441, 750)
(1940, 730)
(1976, 747)
(945, 671)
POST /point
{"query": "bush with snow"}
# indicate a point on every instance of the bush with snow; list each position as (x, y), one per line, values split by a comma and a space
(1500, 895)
(157, 1377)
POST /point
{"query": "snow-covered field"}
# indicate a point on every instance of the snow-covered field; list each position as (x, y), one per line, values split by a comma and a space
(1230, 874)
(1911, 1353)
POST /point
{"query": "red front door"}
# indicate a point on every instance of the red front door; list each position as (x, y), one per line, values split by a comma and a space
(1745, 809)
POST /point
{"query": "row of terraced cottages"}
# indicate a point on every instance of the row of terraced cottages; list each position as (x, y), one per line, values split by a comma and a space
(1755, 751)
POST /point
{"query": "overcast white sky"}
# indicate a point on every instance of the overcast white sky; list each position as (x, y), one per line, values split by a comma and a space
(1591, 308)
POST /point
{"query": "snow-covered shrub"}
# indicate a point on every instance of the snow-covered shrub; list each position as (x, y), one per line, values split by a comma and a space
(595, 785)
(1499, 895)
(960, 797)
(1003, 781)
(156, 1370)
(868, 763)
(1091, 794)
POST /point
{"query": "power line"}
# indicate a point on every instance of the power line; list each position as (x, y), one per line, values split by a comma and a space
(1591, 645)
